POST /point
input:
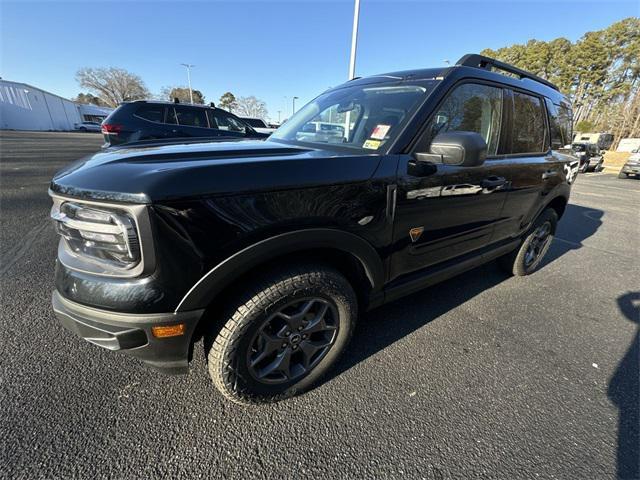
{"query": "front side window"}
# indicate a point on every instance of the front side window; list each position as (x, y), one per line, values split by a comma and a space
(529, 127)
(364, 118)
(192, 117)
(469, 108)
(224, 121)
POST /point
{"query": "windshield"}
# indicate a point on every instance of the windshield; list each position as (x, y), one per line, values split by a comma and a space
(364, 117)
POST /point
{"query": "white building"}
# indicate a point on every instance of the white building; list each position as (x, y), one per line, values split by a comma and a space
(24, 107)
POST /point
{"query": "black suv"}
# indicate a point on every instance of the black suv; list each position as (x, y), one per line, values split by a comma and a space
(152, 120)
(269, 250)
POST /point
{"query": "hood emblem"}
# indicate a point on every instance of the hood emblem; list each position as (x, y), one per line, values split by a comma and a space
(415, 233)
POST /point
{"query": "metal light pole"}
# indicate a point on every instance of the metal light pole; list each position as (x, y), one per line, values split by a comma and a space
(354, 40)
(189, 67)
(294, 105)
(279, 111)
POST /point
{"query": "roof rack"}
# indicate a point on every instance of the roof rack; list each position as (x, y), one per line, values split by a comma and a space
(486, 63)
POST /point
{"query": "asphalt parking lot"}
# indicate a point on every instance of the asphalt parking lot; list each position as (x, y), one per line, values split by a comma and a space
(481, 376)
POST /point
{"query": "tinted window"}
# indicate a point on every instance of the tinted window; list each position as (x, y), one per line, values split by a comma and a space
(153, 113)
(192, 117)
(224, 121)
(529, 128)
(171, 116)
(469, 108)
(255, 122)
(560, 122)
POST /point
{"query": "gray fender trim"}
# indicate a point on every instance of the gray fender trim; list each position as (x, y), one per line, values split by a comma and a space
(241, 262)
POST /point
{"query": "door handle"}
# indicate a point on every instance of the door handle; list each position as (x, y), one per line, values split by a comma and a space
(493, 182)
(549, 174)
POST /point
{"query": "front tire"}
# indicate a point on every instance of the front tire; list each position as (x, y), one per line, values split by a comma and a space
(526, 259)
(623, 175)
(282, 334)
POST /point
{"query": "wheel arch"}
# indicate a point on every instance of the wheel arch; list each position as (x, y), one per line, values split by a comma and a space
(336, 245)
(559, 204)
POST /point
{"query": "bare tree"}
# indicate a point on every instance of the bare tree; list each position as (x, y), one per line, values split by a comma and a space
(112, 85)
(250, 107)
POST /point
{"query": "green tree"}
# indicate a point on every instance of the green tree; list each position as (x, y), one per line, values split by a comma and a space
(228, 101)
(585, 126)
(88, 98)
(600, 73)
(182, 94)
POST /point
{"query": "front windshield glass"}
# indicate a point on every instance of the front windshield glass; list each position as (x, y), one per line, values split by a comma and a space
(364, 117)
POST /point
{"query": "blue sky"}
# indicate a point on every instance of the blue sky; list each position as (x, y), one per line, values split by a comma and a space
(273, 50)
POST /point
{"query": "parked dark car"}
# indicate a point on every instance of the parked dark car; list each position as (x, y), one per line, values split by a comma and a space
(632, 166)
(590, 157)
(152, 120)
(270, 250)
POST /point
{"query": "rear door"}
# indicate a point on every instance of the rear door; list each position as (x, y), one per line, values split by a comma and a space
(192, 122)
(445, 211)
(530, 167)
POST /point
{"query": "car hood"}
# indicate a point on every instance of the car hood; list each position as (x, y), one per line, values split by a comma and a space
(146, 174)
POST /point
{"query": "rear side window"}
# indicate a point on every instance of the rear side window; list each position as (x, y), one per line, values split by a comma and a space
(469, 108)
(192, 117)
(529, 126)
(171, 116)
(560, 123)
(153, 113)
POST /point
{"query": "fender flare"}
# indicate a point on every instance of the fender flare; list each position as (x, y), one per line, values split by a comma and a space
(226, 272)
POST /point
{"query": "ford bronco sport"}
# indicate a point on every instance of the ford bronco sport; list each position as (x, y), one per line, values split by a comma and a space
(269, 250)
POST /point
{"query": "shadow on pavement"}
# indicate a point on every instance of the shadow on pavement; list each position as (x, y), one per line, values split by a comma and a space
(388, 324)
(385, 325)
(576, 225)
(623, 391)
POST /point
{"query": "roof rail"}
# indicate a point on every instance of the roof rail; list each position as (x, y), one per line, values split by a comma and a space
(486, 63)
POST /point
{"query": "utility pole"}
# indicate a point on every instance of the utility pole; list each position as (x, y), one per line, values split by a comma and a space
(294, 106)
(189, 67)
(279, 111)
(354, 40)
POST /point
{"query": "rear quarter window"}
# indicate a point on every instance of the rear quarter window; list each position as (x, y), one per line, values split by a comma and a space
(529, 126)
(560, 124)
(153, 113)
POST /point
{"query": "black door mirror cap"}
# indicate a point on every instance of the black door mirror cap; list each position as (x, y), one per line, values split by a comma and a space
(465, 149)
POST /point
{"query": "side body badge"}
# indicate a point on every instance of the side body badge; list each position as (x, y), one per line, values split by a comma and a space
(415, 233)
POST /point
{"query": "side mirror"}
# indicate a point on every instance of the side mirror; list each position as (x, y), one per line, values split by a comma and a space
(465, 149)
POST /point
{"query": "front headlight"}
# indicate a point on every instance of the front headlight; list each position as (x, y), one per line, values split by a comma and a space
(96, 238)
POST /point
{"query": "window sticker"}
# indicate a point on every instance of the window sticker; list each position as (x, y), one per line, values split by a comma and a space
(380, 131)
(371, 144)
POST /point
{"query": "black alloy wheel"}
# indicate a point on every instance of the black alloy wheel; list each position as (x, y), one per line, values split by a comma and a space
(293, 340)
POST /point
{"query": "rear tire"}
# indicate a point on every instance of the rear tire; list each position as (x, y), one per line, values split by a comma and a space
(623, 175)
(282, 334)
(525, 259)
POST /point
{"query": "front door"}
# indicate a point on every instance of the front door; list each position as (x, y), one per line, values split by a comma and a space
(444, 211)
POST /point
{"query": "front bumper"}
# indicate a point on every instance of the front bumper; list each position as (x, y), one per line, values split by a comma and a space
(631, 169)
(131, 333)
